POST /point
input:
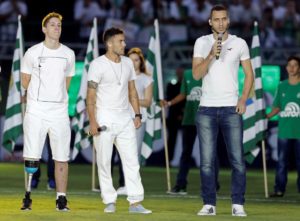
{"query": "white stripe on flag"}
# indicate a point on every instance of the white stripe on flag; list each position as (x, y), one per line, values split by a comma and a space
(255, 41)
(260, 104)
(258, 83)
(12, 122)
(255, 152)
(256, 62)
(250, 111)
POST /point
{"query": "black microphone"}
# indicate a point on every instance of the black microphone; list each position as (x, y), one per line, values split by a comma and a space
(219, 45)
(99, 129)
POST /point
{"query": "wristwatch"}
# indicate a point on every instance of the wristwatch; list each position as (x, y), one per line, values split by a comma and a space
(139, 115)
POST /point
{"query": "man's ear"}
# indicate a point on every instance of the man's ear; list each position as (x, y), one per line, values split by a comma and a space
(209, 22)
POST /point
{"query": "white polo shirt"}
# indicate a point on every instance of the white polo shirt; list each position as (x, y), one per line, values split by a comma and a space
(47, 93)
(220, 84)
(112, 101)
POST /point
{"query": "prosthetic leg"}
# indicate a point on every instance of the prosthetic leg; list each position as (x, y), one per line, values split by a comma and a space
(31, 166)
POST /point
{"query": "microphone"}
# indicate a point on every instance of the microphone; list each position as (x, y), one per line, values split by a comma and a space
(99, 129)
(219, 45)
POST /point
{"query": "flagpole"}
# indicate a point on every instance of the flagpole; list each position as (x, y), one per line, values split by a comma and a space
(161, 97)
(263, 146)
(23, 105)
(166, 149)
(94, 149)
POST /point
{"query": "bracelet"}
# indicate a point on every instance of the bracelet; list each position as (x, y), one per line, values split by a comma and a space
(139, 115)
(169, 103)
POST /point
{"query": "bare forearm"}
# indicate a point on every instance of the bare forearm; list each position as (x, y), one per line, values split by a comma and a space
(247, 87)
(91, 104)
(274, 111)
(133, 97)
(200, 69)
(25, 80)
(177, 99)
(145, 103)
(134, 101)
(249, 77)
(68, 81)
(91, 112)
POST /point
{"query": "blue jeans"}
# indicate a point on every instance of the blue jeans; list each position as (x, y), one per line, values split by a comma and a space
(209, 121)
(284, 148)
(189, 133)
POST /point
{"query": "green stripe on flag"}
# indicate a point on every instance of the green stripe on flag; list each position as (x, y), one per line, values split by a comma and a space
(153, 120)
(80, 123)
(10, 112)
(249, 122)
(255, 52)
(255, 124)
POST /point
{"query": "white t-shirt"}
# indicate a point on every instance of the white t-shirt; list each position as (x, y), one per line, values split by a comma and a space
(142, 81)
(47, 93)
(112, 101)
(220, 84)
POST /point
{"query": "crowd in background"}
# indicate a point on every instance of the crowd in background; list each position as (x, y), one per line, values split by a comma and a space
(182, 21)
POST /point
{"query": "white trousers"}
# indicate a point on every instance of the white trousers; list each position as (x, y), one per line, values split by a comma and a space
(123, 134)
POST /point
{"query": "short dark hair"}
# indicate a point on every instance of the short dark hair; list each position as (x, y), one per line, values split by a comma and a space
(218, 8)
(109, 33)
(294, 57)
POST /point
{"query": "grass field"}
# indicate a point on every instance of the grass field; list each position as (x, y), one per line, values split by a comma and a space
(86, 205)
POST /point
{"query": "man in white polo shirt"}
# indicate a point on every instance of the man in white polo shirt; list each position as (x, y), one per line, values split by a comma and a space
(216, 59)
(110, 89)
(47, 69)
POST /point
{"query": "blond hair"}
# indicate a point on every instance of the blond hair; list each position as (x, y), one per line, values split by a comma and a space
(49, 16)
(139, 52)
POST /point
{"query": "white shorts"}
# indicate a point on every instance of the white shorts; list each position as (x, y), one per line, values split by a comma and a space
(35, 132)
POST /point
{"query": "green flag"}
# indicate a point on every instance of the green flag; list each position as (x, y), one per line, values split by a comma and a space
(153, 121)
(80, 123)
(13, 125)
(255, 123)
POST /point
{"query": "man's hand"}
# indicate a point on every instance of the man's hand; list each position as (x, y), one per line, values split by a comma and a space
(241, 106)
(216, 49)
(137, 122)
(164, 103)
(94, 128)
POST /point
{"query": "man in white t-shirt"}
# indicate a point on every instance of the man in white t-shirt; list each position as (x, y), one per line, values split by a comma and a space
(216, 60)
(110, 89)
(47, 69)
